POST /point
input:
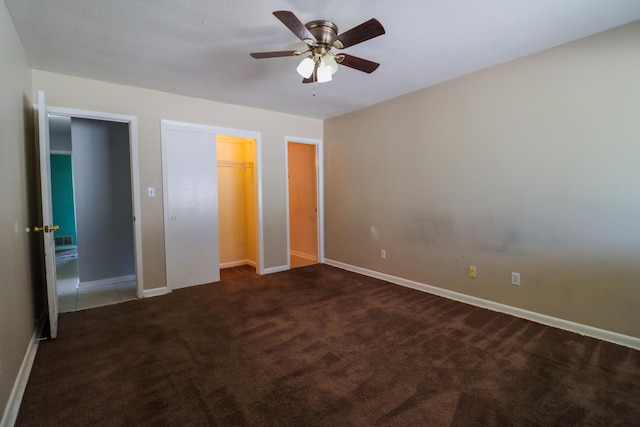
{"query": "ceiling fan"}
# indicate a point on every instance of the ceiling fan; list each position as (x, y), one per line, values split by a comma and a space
(320, 37)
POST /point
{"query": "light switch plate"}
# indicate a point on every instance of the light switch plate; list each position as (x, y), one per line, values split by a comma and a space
(515, 279)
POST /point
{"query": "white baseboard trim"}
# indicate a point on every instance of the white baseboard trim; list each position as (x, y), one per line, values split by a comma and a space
(277, 269)
(310, 257)
(590, 331)
(15, 399)
(237, 263)
(108, 281)
(155, 292)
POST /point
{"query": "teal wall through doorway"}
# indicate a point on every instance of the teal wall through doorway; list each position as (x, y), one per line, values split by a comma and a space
(63, 204)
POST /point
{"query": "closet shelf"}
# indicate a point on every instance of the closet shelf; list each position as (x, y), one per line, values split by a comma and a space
(234, 164)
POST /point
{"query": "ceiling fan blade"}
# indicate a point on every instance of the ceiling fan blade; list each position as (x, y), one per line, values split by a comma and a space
(313, 78)
(357, 63)
(295, 25)
(365, 31)
(259, 55)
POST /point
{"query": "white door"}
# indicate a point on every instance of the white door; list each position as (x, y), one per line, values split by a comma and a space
(190, 178)
(47, 228)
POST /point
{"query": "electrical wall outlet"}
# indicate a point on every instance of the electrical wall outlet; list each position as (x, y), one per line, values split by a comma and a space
(472, 272)
(383, 254)
(515, 279)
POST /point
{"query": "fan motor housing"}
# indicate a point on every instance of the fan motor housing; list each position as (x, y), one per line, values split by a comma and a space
(325, 32)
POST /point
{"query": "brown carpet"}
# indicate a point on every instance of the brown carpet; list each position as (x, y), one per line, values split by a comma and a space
(322, 346)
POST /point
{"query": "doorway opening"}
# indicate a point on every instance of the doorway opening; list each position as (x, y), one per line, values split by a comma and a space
(304, 202)
(237, 201)
(93, 196)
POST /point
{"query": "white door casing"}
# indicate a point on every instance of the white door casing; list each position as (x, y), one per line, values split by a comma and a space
(190, 179)
(47, 214)
(132, 122)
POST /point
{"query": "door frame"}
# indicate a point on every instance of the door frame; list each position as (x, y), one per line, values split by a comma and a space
(257, 167)
(257, 170)
(132, 122)
(319, 192)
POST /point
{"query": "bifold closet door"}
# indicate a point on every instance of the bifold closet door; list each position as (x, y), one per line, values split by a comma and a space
(190, 204)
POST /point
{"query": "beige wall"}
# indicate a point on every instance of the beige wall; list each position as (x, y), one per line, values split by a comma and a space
(530, 166)
(152, 106)
(16, 164)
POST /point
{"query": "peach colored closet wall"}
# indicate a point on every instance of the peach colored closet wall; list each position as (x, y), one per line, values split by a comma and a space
(303, 200)
(237, 208)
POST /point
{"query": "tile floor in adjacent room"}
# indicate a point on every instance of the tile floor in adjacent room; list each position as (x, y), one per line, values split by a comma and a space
(71, 297)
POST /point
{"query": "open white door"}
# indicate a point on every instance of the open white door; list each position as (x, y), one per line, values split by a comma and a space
(47, 228)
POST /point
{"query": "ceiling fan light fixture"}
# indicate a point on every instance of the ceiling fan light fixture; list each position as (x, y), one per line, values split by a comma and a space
(305, 69)
(321, 36)
(329, 62)
(324, 73)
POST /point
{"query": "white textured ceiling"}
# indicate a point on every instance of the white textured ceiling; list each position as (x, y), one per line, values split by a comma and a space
(201, 48)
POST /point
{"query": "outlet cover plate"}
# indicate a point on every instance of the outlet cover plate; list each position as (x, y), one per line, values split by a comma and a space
(472, 271)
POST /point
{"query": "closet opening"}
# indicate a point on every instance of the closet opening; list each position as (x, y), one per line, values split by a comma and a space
(237, 201)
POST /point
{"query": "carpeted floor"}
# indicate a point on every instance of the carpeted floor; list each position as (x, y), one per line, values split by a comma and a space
(322, 346)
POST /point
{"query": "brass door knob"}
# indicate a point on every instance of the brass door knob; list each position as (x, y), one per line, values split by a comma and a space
(46, 228)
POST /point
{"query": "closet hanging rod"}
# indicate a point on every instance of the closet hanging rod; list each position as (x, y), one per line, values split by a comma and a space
(234, 164)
